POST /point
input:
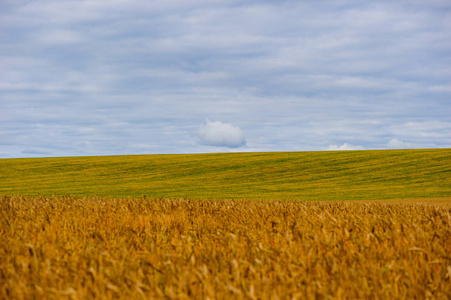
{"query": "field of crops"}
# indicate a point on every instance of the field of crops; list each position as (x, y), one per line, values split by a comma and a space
(137, 248)
(330, 175)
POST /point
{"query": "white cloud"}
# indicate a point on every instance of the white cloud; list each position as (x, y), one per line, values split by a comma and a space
(220, 134)
(397, 144)
(345, 146)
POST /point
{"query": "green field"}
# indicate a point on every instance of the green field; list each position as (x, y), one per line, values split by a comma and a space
(341, 175)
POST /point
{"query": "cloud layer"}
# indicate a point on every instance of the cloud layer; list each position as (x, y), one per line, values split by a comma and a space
(126, 77)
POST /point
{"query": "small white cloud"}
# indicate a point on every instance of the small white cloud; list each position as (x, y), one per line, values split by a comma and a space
(345, 146)
(220, 134)
(397, 144)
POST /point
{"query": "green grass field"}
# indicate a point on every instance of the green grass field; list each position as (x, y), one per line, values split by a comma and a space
(342, 175)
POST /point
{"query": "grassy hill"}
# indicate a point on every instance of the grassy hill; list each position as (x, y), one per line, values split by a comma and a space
(343, 175)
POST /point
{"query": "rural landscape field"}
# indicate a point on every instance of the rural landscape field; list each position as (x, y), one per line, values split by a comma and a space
(299, 225)
(305, 176)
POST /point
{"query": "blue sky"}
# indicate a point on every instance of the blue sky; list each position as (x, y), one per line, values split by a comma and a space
(191, 76)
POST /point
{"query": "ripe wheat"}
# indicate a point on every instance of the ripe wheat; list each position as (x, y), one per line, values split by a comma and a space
(86, 248)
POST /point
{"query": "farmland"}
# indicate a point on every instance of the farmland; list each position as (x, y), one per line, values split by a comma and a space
(347, 175)
(85, 248)
(222, 226)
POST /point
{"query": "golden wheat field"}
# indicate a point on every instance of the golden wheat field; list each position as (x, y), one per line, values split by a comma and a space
(87, 248)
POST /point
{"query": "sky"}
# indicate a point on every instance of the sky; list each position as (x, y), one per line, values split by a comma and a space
(113, 77)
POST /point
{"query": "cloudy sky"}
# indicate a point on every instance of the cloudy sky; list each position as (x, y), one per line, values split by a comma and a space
(108, 77)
